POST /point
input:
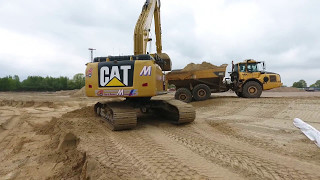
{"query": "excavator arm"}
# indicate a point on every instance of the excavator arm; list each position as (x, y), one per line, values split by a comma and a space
(158, 32)
(151, 9)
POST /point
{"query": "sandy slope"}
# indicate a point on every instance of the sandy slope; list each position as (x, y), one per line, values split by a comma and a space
(57, 135)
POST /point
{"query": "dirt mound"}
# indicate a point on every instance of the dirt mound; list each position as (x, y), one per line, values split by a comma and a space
(70, 141)
(55, 151)
(79, 93)
(286, 89)
(62, 149)
(84, 112)
(66, 92)
(69, 160)
(23, 103)
(67, 133)
(204, 65)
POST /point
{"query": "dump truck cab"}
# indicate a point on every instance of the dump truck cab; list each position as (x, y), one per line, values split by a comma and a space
(249, 78)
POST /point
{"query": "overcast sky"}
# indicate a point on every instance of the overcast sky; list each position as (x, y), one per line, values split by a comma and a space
(51, 38)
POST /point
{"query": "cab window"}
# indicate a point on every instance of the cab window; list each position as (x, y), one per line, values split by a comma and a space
(242, 67)
(252, 67)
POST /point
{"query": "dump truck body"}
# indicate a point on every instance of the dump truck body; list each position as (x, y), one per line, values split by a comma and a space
(197, 84)
(213, 78)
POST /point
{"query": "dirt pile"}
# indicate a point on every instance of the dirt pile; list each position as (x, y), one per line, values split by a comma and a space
(79, 93)
(62, 150)
(70, 162)
(204, 65)
(286, 89)
(66, 92)
(37, 142)
(30, 103)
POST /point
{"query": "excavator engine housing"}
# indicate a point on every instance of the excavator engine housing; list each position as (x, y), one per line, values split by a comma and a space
(124, 76)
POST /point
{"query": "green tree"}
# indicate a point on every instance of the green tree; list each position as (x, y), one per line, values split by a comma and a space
(9, 83)
(38, 83)
(300, 84)
(17, 82)
(34, 83)
(316, 84)
(78, 80)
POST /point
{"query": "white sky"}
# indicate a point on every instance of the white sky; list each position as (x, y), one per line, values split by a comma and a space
(52, 37)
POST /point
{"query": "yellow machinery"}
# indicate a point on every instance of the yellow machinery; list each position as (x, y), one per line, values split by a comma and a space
(136, 77)
(197, 84)
(247, 80)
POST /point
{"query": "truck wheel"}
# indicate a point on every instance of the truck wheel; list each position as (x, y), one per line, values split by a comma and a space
(183, 94)
(252, 89)
(201, 92)
(239, 94)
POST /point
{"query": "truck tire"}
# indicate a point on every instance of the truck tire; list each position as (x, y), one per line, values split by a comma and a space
(183, 94)
(239, 94)
(201, 92)
(252, 89)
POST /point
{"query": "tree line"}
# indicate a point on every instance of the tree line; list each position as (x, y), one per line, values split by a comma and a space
(38, 83)
(302, 84)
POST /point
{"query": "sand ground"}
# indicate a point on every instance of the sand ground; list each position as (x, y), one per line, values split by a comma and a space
(57, 136)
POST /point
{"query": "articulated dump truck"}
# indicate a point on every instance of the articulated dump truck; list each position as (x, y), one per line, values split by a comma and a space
(248, 79)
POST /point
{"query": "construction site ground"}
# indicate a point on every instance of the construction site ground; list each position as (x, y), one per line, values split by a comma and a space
(57, 136)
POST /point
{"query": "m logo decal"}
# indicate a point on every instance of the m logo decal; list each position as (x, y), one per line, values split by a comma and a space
(146, 71)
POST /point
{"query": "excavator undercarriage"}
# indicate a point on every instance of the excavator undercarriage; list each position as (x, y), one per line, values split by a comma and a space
(121, 115)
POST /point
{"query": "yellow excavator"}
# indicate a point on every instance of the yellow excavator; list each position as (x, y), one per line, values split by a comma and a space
(137, 78)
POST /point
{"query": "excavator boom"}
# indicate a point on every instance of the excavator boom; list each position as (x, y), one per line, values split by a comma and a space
(150, 9)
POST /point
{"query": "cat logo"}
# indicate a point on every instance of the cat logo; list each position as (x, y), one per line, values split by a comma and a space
(115, 75)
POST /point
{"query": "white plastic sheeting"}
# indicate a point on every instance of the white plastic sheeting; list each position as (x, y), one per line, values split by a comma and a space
(312, 133)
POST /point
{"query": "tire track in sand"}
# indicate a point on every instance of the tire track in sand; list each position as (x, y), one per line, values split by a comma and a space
(129, 154)
(154, 160)
(244, 162)
(117, 164)
(192, 159)
(96, 140)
